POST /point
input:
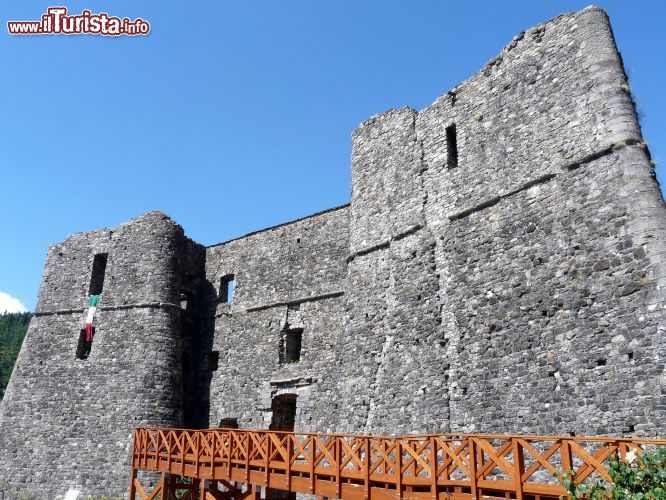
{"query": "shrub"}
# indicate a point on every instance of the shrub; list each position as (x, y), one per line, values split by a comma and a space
(639, 478)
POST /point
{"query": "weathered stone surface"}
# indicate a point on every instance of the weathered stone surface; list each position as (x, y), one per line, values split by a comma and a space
(516, 286)
(287, 277)
(67, 421)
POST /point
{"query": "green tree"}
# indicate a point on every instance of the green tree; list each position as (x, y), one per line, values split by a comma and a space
(13, 328)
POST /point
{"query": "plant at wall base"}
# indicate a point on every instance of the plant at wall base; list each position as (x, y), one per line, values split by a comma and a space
(586, 491)
(638, 478)
(184, 492)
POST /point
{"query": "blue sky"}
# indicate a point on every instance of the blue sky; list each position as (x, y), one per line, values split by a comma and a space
(233, 116)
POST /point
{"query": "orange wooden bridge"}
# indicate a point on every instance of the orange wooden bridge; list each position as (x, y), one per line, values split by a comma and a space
(232, 463)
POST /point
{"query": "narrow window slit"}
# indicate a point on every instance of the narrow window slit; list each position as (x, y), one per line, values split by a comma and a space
(98, 271)
(227, 287)
(451, 146)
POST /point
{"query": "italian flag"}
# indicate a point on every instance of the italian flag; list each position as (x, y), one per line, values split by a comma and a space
(93, 300)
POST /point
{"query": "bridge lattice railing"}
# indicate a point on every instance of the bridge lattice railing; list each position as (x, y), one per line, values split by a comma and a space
(337, 465)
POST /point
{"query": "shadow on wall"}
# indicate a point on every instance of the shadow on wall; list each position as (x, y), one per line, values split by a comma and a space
(198, 304)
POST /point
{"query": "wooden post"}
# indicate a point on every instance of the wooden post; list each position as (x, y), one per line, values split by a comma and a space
(197, 452)
(256, 493)
(433, 468)
(145, 450)
(366, 443)
(565, 454)
(134, 447)
(213, 455)
(201, 494)
(338, 458)
(313, 454)
(169, 451)
(247, 457)
(398, 458)
(157, 450)
(268, 460)
(132, 491)
(518, 468)
(446, 456)
(623, 448)
(194, 489)
(290, 447)
(471, 446)
(182, 454)
(164, 486)
(230, 441)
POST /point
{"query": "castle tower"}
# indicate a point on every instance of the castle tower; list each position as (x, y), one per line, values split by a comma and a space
(500, 269)
(506, 265)
(68, 414)
(391, 350)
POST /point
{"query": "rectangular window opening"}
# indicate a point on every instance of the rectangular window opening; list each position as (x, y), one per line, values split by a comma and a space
(293, 344)
(227, 287)
(98, 271)
(84, 346)
(451, 146)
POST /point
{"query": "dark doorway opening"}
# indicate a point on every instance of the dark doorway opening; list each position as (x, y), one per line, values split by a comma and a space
(229, 423)
(284, 413)
(284, 418)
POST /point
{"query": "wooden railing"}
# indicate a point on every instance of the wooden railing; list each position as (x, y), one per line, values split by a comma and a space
(230, 463)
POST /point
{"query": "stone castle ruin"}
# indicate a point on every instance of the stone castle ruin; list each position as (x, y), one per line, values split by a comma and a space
(501, 268)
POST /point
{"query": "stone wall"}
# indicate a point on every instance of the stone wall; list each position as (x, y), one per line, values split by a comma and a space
(555, 330)
(67, 422)
(508, 276)
(288, 277)
(390, 353)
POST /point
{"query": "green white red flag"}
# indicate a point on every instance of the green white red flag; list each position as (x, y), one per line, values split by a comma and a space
(93, 300)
